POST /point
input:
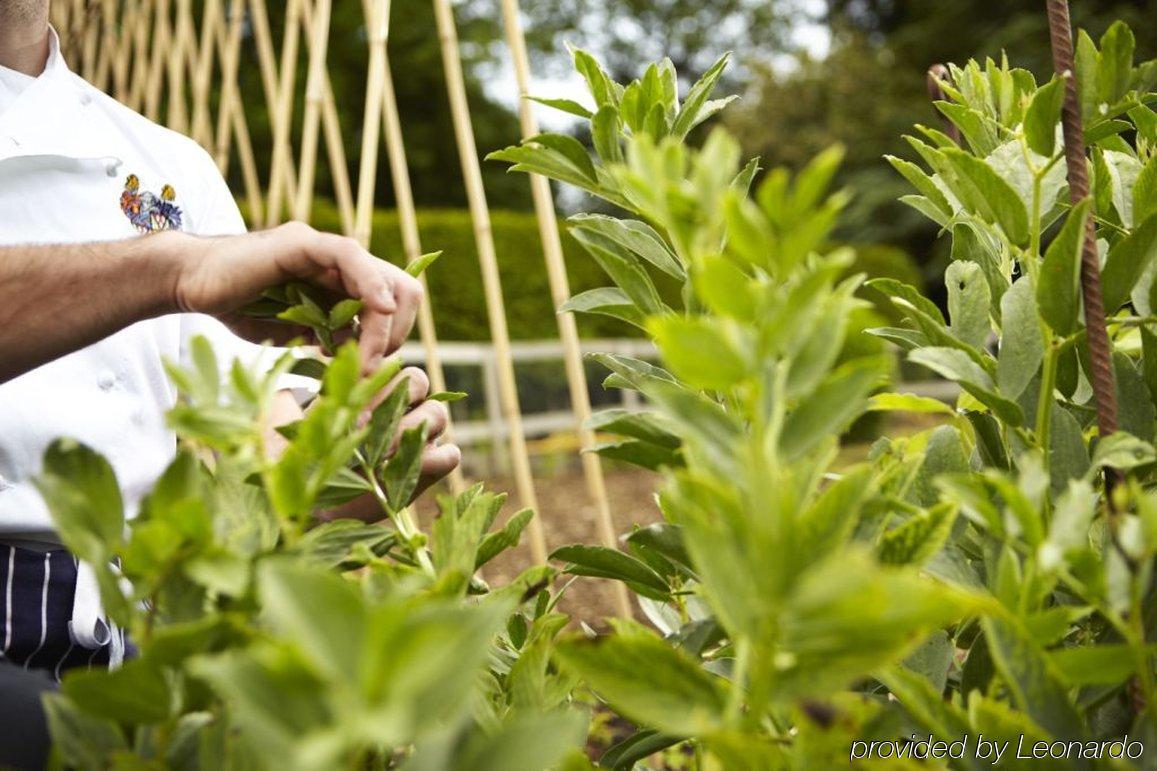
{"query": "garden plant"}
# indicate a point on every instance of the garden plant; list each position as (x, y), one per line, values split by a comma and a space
(990, 576)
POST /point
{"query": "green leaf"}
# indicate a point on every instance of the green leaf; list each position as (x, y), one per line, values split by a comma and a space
(384, 422)
(602, 562)
(495, 543)
(605, 131)
(983, 190)
(835, 403)
(691, 113)
(849, 616)
(699, 350)
(1035, 683)
(968, 302)
(639, 453)
(1123, 451)
(1057, 295)
(84, 741)
(1127, 261)
(1021, 345)
(933, 659)
(662, 538)
(322, 612)
(724, 288)
(635, 748)
(539, 159)
(446, 396)
(332, 543)
(897, 402)
(418, 265)
(601, 86)
(922, 182)
(83, 496)
(1087, 64)
(135, 693)
(1106, 664)
(522, 742)
(637, 237)
(1115, 66)
(400, 477)
(1145, 191)
(645, 426)
(607, 301)
(569, 148)
(1042, 117)
(565, 105)
(812, 182)
(928, 708)
(620, 263)
(343, 312)
(916, 540)
(647, 680)
(957, 366)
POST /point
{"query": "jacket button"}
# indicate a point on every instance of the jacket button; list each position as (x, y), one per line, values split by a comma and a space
(105, 380)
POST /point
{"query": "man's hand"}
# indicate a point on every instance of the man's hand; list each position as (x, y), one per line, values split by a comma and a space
(219, 276)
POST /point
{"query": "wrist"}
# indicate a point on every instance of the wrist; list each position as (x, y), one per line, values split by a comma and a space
(165, 258)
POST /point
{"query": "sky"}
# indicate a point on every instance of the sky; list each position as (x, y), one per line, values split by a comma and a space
(815, 38)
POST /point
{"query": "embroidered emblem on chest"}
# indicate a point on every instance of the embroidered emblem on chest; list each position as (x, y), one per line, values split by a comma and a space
(150, 213)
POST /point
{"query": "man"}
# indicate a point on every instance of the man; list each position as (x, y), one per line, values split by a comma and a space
(119, 242)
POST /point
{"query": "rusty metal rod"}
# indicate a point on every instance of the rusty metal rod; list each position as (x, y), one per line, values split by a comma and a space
(1100, 350)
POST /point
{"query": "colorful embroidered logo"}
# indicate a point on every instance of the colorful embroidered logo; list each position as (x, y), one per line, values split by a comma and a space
(150, 213)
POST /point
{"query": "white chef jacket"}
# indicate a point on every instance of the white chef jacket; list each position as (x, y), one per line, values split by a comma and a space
(66, 153)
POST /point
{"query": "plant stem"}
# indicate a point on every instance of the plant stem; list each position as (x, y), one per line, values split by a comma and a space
(738, 679)
(401, 519)
(1045, 400)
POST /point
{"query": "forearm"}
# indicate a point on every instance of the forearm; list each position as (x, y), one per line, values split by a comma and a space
(59, 298)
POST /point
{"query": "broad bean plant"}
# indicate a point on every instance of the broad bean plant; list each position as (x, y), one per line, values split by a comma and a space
(271, 639)
(973, 579)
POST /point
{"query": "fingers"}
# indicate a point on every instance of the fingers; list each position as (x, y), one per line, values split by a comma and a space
(408, 295)
(390, 296)
(437, 463)
(433, 414)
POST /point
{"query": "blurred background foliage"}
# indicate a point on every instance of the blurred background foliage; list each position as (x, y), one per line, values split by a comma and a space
(811, 72)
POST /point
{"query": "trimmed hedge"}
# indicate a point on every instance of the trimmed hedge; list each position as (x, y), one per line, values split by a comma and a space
(456, 285)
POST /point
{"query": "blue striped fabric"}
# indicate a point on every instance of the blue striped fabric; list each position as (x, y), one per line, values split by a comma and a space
(36, 594)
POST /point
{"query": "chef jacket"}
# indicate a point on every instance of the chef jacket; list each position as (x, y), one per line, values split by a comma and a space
(77, 166)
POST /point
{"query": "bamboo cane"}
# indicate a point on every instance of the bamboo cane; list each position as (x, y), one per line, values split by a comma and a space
(107, 36)
(162, 31)
(231, 116)
(89, 18)
(178, 118)
(378, 24)
(488, 261)
(229, 51)
(411, 243)
(140, 68)
(335, 144)
(270, 77)
(202, 79)
(560, 293)
(284, 113)
(124, 49)
(313, 100)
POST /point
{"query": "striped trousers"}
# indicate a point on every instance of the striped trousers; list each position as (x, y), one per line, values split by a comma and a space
(37, 589)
